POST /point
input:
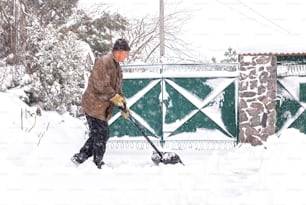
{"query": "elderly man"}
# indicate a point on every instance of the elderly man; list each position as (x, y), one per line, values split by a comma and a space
(103, 92)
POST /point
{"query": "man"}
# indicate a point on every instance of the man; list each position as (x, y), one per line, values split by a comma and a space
(103, 92)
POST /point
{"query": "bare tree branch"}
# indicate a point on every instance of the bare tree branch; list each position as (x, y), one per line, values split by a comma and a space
(144, 35)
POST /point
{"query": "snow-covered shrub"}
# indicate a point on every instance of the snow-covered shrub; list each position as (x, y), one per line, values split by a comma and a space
(59, 74)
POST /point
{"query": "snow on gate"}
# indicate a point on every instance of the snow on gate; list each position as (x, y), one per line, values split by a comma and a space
(179, 106)
(291, 92)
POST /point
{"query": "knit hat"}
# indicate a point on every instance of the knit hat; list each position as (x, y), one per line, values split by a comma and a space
(121, 44)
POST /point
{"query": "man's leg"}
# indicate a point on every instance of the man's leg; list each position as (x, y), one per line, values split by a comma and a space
(100, 138)
(87, 149)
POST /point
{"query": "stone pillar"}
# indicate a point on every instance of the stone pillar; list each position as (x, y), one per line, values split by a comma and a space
(257, 95)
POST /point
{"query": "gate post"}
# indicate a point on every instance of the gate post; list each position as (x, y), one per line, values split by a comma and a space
(257, 94)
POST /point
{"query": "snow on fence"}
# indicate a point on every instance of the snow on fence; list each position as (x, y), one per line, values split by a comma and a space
(291, 70)
(171, 99)
(180, 70)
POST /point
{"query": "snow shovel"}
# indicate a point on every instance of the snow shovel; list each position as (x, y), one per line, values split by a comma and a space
(158, 156)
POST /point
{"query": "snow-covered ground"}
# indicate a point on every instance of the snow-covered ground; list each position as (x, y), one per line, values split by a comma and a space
(36, 169)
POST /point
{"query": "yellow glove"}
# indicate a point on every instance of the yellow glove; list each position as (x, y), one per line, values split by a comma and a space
(126, 114)
(118, 100)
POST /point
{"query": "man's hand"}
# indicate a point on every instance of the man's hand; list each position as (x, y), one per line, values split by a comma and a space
(118, 100)
(121, 103)
(126, 113)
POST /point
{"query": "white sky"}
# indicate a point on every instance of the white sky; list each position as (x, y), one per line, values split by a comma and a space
(245, 25)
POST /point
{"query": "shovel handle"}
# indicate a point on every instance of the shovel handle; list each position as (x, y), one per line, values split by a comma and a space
(136, 124)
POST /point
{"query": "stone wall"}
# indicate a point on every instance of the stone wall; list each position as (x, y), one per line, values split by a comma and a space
(257, 94)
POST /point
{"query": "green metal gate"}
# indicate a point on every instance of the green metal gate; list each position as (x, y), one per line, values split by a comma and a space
(291, 95)
(180, 105)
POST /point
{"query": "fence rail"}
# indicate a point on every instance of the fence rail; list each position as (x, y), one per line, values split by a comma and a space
(291, 70)
(174, 144)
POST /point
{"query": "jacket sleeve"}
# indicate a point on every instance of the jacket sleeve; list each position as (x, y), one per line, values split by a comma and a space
(101, 78)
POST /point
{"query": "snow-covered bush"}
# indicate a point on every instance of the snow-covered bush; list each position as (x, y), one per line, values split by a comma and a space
(59, 77)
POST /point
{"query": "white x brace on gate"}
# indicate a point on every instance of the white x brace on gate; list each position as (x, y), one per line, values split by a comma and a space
(180, 104)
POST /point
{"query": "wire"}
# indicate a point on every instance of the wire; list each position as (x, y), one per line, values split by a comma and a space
(288, 32)
(251, 18)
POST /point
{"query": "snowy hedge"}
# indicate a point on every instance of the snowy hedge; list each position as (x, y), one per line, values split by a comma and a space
(59, 77)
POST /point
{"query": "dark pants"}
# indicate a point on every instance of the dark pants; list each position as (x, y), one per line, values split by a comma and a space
(96, 144)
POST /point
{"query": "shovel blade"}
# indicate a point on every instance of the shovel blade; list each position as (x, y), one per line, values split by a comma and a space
(166, 158)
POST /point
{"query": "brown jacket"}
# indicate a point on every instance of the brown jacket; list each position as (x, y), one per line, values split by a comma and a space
(104, 82)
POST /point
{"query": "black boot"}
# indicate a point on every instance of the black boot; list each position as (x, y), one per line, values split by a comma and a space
(79, 158)
(99, 164)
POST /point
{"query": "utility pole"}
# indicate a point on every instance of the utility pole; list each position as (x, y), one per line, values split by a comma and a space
(162, 54)
(161, 28)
